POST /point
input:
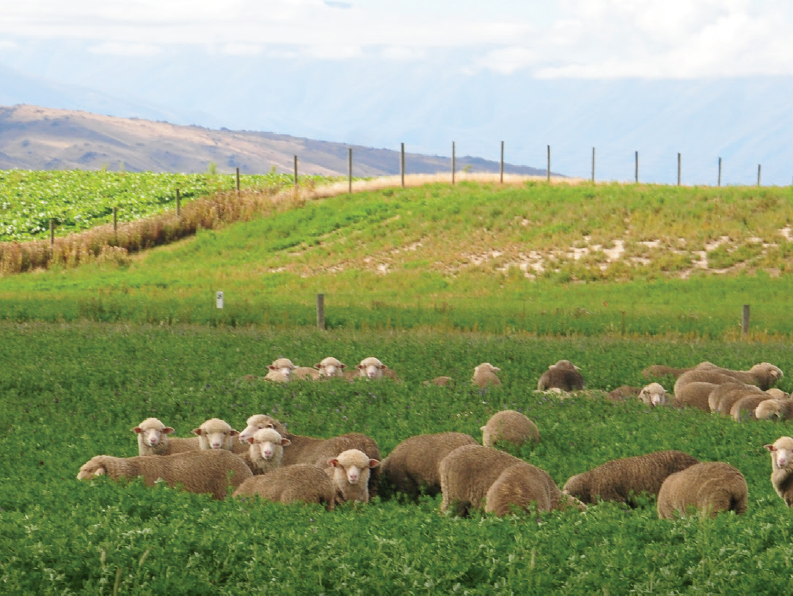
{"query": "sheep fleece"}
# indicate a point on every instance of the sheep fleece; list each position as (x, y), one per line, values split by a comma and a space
(709, 487)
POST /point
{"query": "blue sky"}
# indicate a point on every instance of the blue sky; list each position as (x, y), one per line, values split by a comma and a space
(581, 57)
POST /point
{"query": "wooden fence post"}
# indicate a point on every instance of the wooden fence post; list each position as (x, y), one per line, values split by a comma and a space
(637, 167)
(454, 160)
(501, 168)
(678, 169)
(402, 164)
(719, 183)
(745, 321)
(349, 167)
(593, 165)
(759, 167)
(238, 181)
(295, 172)
(178, 203)
(548, 170)
(321, 311)
(115, 220)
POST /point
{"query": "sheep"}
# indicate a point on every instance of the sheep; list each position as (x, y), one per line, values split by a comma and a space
(266, 451)
(301, 482)
(729, 398)
(330, 368)
(485, 375)
(278, 375)
(781, 469)
(349, 471)
(708, 487)
(218, 434)
(762, 375)
(701, 376)
(624, 479)
(653, 395)
(522, 484)
(622, 392)
(153, 439)
(210, 471)
(723, 391)
(370, 368)
(748, 403)
(660, 370)
(780, 409)
(412, 466)
(441, 381)
(777, 393)
(563, 375)
(305, 373)
(509, 426)
(694, 395)
(315, 451)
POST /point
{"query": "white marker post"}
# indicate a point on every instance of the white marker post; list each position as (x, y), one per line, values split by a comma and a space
(220, 299)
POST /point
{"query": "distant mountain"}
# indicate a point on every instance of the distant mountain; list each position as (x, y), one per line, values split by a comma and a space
(38, 138)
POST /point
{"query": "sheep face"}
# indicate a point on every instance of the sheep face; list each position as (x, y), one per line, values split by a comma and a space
(653, 395)
(353, 464)
(255, 423)
(282, 364)
(267, 443)
(330, 367)
(152, 432)
(371, 368)
(781, 452)
(215, 434)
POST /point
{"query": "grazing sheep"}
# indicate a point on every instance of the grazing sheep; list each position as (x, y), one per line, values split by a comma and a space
(521, 485)
(266, 451)
(350, 471)
(694, 395)
(781, 468)
(413, 464)
(774, 409)
(485, 375)
(302, 482)
(330, 368)
(746, 405)
(305, 373)
(563, 375)
(653, 395)
(370, 368)
(625, 478)
(509, 426)
(210, 471)
(657, 371)
(440, 382)
(729, 398)
(218, 434)
(708, 487)
(153, 439)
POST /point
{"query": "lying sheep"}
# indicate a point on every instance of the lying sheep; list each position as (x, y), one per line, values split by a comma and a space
(777, 393)
(701, 376)
(412, 466)
(511, 427)
(657, 371)
(305, 373)
(330, 368)
(315, 451)
(624, 479)
(218, 434)
(694, 395)
(370, 368)
(623, 392)
(350, 471)
(781, 469)
(763, 375)
(653, 395)
(280, 371)
(774, 409)
(485, 375)
(266, 451)
(210, 471)
(563, 375)
(708, 487)
(725, 391)
(744, 408)
(522, 484)
(153, 439)
(729, 398)
(302, 482)
(442, 381)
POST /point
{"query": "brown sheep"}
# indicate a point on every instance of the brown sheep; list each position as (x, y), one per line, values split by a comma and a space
(522, 484)
(201, 471)
(782, 469)
(440, 382)
(774, 409)
(511, 427)
(694, 395)
(725, 390)
(305, 373)
(563, 375)
(763, 375)
(728, 400)
(413, 464)
(744, 407)
(485, 376)
(623, 479)
(708, 487)
(301, 482)
(623, 392)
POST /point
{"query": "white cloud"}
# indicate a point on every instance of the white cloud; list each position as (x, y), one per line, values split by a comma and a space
(243, 49)
(402, 53)
(507, 60)
(125, 49)
(8, 45)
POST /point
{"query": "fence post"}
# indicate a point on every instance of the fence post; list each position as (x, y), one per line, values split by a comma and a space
(678, 169)
(178, 203)
(745, 321)
(593, 165)
(321, 311)
(719, 183)
(501, 168)
(548, 171)
(758, 174)
(402, 164)
(637, 167)
(349, 167)
(52, 231)
(454, 161)
(115, 220)
(295, 172)
(238, 181)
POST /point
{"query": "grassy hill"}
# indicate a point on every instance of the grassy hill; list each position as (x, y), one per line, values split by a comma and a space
(529, 257)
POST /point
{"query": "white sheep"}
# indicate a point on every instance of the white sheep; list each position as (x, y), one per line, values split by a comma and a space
(217, 434)
(781, 469)
(730, 397)
(301, 482)
(564, 375)
(726, 391)
(153, 439)
(194, 471)
(266, 451)
(744, 408)
(653, 395)
(330, 368)
(485, 375)
(509, 426)
(707, 487)
(774, 409)
(370, 368)
(349, 471)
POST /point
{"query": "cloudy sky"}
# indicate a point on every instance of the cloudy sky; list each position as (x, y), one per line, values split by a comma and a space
(97, 43)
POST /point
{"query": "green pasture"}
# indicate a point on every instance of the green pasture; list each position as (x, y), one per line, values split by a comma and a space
(69, 391)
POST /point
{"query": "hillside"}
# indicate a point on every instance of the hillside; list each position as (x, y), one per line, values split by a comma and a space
(37, 138)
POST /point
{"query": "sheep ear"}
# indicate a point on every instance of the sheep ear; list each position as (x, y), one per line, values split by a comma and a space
(285, 442)
(271, 367)
(233, 433)
(167, 430)
(333, 462)
(137, 429)
(373, 463)
(196, 431)
(770, 447)
(359, 367)
(318, 365)
(248, 440)
(342, 366)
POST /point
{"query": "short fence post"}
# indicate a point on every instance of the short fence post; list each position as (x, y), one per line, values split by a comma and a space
(745, 321)
(178, 203)
(295, 172)
(501, 168)
(759, 167)
(115, 220)
(349, 167)
(678, 169)
(454, 161)
(719, 183)
(593, 165)
(238, 181)
(548, 170)
(321, 311)
(402, 164)
(637, 167)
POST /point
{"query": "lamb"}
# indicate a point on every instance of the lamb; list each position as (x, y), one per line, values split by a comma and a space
(153, 439)
(694, 395)
(330, 368)
(624, 479)
(522, 484)
(266, 451)
(301, 482)
(653, 395)
(218, 434)
(412, 466)
(468, 473)
(485, 375)
(748, 403)
(509, 426)
(315, 451)
(778, 409)
(210, 471)
(781, 469)
(563, 375)
(708, 487)
(349, 471)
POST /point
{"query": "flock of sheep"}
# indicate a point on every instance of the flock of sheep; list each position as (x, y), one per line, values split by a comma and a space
(265, 459)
